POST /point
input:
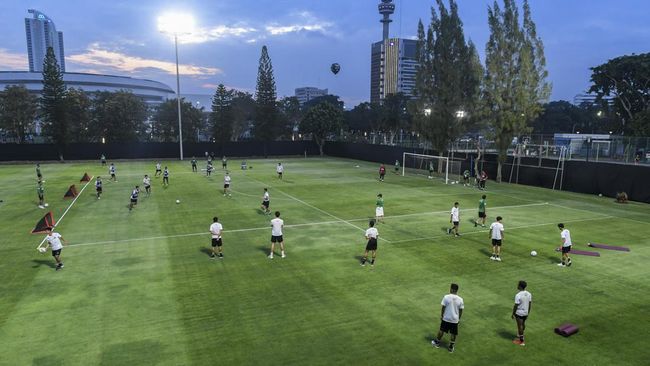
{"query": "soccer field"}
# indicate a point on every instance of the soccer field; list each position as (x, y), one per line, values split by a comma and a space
(139, 288)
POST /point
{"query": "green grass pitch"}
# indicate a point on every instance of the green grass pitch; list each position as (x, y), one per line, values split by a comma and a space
(138, 287)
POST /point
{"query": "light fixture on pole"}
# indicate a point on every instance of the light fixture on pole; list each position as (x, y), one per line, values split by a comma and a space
(177, 24)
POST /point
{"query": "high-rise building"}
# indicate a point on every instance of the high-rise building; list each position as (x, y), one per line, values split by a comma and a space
(41, 33)
(393, 62)
(308, 93)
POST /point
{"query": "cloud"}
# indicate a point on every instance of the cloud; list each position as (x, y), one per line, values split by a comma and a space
(13, 61)
(219, 32)
(98, 57)
(306, 22)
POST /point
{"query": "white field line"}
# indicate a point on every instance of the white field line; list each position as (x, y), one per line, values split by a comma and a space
(509, 228)
(318, 209)
(579, 209)
(67, 209)
(267, 227)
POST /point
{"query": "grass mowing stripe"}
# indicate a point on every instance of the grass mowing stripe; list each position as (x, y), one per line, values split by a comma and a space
(68, 209)
(287, 226)
(509, 228)
(317, 209)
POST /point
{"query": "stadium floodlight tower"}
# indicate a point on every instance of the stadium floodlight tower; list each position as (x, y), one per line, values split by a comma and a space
(177, 24)
(386, 8)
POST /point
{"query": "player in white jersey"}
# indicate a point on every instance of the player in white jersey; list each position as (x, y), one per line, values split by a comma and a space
(452, 311)
(98, 187)
(158, 170)
(266, 202)
(111, 171)
(134, 197)
(566, 246)
(55, 241)
(372, 235)
(226, 185)
(520, 311)
(277, 224)
(279, 169)
(216, 230)
(496, 234)
(454, 219)
(166, 177)
(146, 182)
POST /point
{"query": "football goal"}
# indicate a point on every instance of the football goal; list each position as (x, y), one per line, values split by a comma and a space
(438, 167)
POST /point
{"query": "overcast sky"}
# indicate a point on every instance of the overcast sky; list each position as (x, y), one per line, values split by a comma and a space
(304, 37)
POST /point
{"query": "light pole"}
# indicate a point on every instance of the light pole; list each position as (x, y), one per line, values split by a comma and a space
(175, 23)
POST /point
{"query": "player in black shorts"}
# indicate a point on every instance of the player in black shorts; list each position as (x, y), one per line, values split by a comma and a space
(372, 235)
(166, 177)
(134, 197)
(194, 168)
(98, 187)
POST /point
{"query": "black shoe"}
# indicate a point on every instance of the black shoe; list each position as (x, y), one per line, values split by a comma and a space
(435, 343)
(569, 263)
(213, 256)
(220, 255)
(451, 348)
(457, 234)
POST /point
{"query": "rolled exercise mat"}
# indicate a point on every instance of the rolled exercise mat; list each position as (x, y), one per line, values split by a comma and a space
(609, 247)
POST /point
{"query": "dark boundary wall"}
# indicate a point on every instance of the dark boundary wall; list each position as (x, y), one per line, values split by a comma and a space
(163, 150)
(579, 176)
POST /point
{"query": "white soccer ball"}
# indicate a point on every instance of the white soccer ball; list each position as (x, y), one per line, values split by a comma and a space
(533, 253)
(178, 201)
(42, 250)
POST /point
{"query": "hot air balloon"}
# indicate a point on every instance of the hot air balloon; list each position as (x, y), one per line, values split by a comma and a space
(335, 68)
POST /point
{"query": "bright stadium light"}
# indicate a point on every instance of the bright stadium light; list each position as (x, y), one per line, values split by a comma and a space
(177, 24)
(460, 114)
(427, 112)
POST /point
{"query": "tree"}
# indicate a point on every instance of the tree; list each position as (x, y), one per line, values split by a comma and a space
(515, 85)
(221, 118)
(332, 99)
(448, 80)
(394, 115)
(119, 117)
(321, 121)
(266, 114)
(364, 117)
(165, 121)
(626, 79)
(562, 116)
(17, 111)
(78, 107)
(243, 113)
(291, 114)
(53, 103)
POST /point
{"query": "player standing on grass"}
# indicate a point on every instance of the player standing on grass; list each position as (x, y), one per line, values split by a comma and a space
(103, 159)
(277, 224)
(40, 190)
(134, 197)
(452, 311)
(455, 220)
(482, 179)
(382, 172)
(431, 169)
(466, 175)
(224, 163)
(226, 185)
(98, 187)
(481, 212)
(158, 169)
(523, 304)
(496, 234)
(396, 166)
(216, 229)
(279, 170)
(194, 169)
(379, 208)
(566, 246)
(111, 171)
(266, 201)
(146, 182)
(39, 176)
(372, 234)
(166, 177)
(55, 241)
(208, 169)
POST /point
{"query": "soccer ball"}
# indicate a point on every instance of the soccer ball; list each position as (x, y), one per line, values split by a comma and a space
(178, 201)
(533, 253)
(42, 250)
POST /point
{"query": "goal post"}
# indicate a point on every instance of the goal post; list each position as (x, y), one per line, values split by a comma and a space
(441, 167)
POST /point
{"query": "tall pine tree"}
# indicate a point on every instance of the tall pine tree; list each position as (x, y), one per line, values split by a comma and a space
(515, 86)
(266, 111)
(221, 118)
(53, 103)
(448, 79)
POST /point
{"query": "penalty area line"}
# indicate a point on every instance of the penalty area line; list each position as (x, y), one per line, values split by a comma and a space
(67, 209)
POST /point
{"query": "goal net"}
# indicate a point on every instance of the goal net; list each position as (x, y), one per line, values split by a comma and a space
(432, 167)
